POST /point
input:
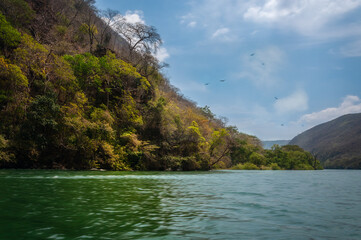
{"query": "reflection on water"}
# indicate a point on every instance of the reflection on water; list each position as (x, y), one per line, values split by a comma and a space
(173, 205)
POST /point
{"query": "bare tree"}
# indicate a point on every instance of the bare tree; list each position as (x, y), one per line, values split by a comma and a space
(89, 25)
(79, 6)
(148, 64)
(141, 39)
(110, 18)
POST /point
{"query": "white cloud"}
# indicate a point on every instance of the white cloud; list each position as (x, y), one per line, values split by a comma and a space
(308, 17)
(350, 104)
(189, 20)
(220, 32)
(224, 35)
(162, 54)
(192, 24)
(136, 16)
(318, 19)
(273, 10)
(133, 17)
(352, 49)
(261, 66)
(296, 102)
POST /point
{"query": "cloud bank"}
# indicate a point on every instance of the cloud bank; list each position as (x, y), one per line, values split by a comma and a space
(136, 16)
(296, 102)
(307, 17)
(320, 20)
(350, 104)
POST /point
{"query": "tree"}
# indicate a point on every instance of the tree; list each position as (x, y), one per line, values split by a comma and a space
(18, 12)
(220, 146)
(6, 157)
(14, 96)
(257, 159)
(90, 19)
(37, 139)
(91, 31)
(110, 18)
(31, 57)
(141, 39)
(79, 6)
(9, 36)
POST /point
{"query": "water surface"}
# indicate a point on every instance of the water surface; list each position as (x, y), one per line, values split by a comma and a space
(37, 204)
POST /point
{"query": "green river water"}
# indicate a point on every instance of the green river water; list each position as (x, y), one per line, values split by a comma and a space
(40, 204)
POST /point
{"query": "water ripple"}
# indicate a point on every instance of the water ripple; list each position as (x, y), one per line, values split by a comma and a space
(198, 205)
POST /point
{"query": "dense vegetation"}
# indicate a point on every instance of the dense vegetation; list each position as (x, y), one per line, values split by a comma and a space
(336, 143)
(278, 158)
(81, 89)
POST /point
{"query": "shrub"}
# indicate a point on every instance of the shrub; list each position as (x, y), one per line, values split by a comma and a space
(274, 166)
(246, 166)
(9, 36)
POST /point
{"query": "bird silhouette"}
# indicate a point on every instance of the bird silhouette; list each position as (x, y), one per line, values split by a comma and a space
(276, 98)
(252, 54)
(206, 84)
(222, 80)
(282, 124)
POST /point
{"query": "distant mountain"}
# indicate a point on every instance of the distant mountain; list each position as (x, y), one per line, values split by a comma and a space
(337, 143)
(269, 144)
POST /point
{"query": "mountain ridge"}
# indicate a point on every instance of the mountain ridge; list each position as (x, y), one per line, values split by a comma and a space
(337, 143)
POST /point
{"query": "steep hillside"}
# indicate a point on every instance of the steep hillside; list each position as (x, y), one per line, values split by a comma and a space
(80, 88)
(336, 143)
(76, 94)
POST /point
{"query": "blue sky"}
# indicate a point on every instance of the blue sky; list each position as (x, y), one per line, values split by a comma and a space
(305, 53)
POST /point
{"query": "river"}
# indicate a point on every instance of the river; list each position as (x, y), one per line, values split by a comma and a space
(44, 204)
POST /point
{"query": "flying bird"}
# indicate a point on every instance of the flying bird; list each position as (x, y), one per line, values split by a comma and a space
(252, 54)
(222, 80)
(276, 98)
(282, 124)
(206, 84)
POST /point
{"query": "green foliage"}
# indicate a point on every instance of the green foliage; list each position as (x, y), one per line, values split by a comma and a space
(207, 112)
(292, 157)
(11, 77)
(257, 159)
(41, 125)
(61, 30)
(86, 69)
(31, 57)
(18, 12)
(245, 166)
(88, 29)
(189, 164)
(95, 110)
(9, 36)
(14, 96)
(274, 166)
(286, 157)
(6, 156)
